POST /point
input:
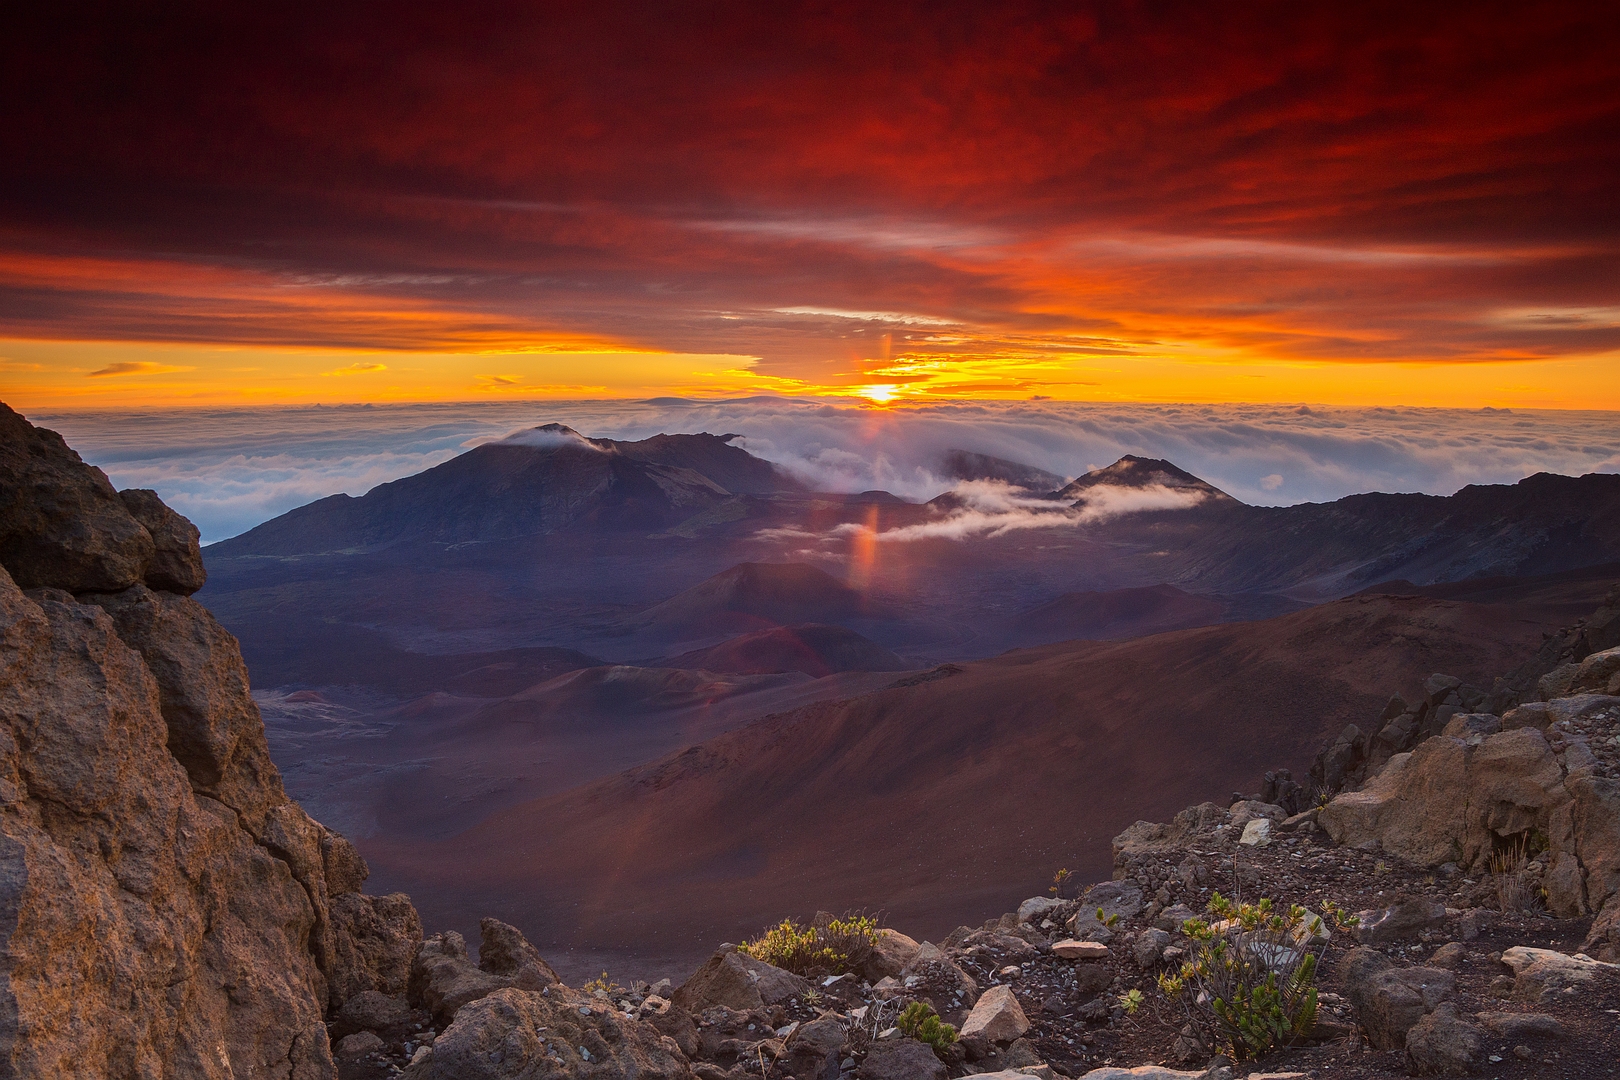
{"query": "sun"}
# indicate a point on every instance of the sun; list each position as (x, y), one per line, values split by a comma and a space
(882, 393)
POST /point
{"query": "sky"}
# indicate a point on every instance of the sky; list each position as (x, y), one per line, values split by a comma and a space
(208, 206)
(229, 468)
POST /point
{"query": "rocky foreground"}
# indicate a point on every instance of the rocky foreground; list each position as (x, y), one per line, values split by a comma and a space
(168, 912)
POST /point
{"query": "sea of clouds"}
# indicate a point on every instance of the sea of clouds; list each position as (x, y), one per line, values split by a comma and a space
(230, 469)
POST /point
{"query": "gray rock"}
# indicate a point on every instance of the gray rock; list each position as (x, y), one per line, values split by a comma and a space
(1451, 956)
(891, 952)
(1520, 1026)
(815, 1049)
(738, 981)
(359, 1044)
(1542, 974)
(1390, 999)
(1149, 947)
(1173, 917)
(1249, 810)
(902, 1059)
(1405, 919)
(1036, 908)
(1121, 898)
(1442, 1044)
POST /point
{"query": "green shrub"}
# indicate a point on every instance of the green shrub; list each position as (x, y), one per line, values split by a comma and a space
(832, 948)
(1249, 983)
(920, 1022)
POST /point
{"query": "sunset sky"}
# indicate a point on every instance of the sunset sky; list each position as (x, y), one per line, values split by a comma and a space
(1353, 204)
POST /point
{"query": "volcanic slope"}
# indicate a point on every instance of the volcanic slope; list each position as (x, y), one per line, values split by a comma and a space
(748, 597)
(930, 799)
(532, 483)
(813, 648)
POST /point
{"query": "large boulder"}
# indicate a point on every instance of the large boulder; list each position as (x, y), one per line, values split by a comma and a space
(1443, 1044)
(503, 950)
(1149, 835)
(736, 980)
(815, 1050)
(1405, 919)
(176, 565)
(1449, 801)
(902, 1059)
(1390, 1000)
(1599, 673)
(61, 523)
(514, 1034)
(1113, 898)
(891, 952)
(996, 1016)
(1540, 975)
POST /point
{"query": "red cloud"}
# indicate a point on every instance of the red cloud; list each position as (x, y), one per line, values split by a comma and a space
(1345, 183)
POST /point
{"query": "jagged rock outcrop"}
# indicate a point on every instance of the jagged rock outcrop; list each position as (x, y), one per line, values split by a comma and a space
(165, 909)
(1541, 779)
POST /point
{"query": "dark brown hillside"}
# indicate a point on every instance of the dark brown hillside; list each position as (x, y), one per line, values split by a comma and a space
(932, 801)
(812, 648)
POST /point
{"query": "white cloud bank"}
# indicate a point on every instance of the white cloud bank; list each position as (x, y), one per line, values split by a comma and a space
(228, 470)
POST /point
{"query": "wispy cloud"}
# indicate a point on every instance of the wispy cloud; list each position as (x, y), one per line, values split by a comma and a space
(136, 367)
(358, 368)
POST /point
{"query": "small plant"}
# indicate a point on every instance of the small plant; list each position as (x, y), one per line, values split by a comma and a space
(1511, 877)
(1249, 984)
(602, 986)
(840, 946)
(1106, 919)
(920, 1022)
(811, 997)
(1059, 879)
(1130, 1001)
(1380, 868)
(1341, 918)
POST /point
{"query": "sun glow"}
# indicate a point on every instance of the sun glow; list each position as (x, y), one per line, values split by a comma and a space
(881, 393)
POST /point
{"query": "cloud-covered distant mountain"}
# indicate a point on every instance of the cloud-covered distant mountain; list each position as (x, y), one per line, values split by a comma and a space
(229, 470)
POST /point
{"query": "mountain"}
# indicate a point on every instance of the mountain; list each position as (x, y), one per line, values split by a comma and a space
(927, 799)
(814, 649)
(1132, 472)
(967, 465)
(536, 482)
(1543, 524)
(710, 456)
